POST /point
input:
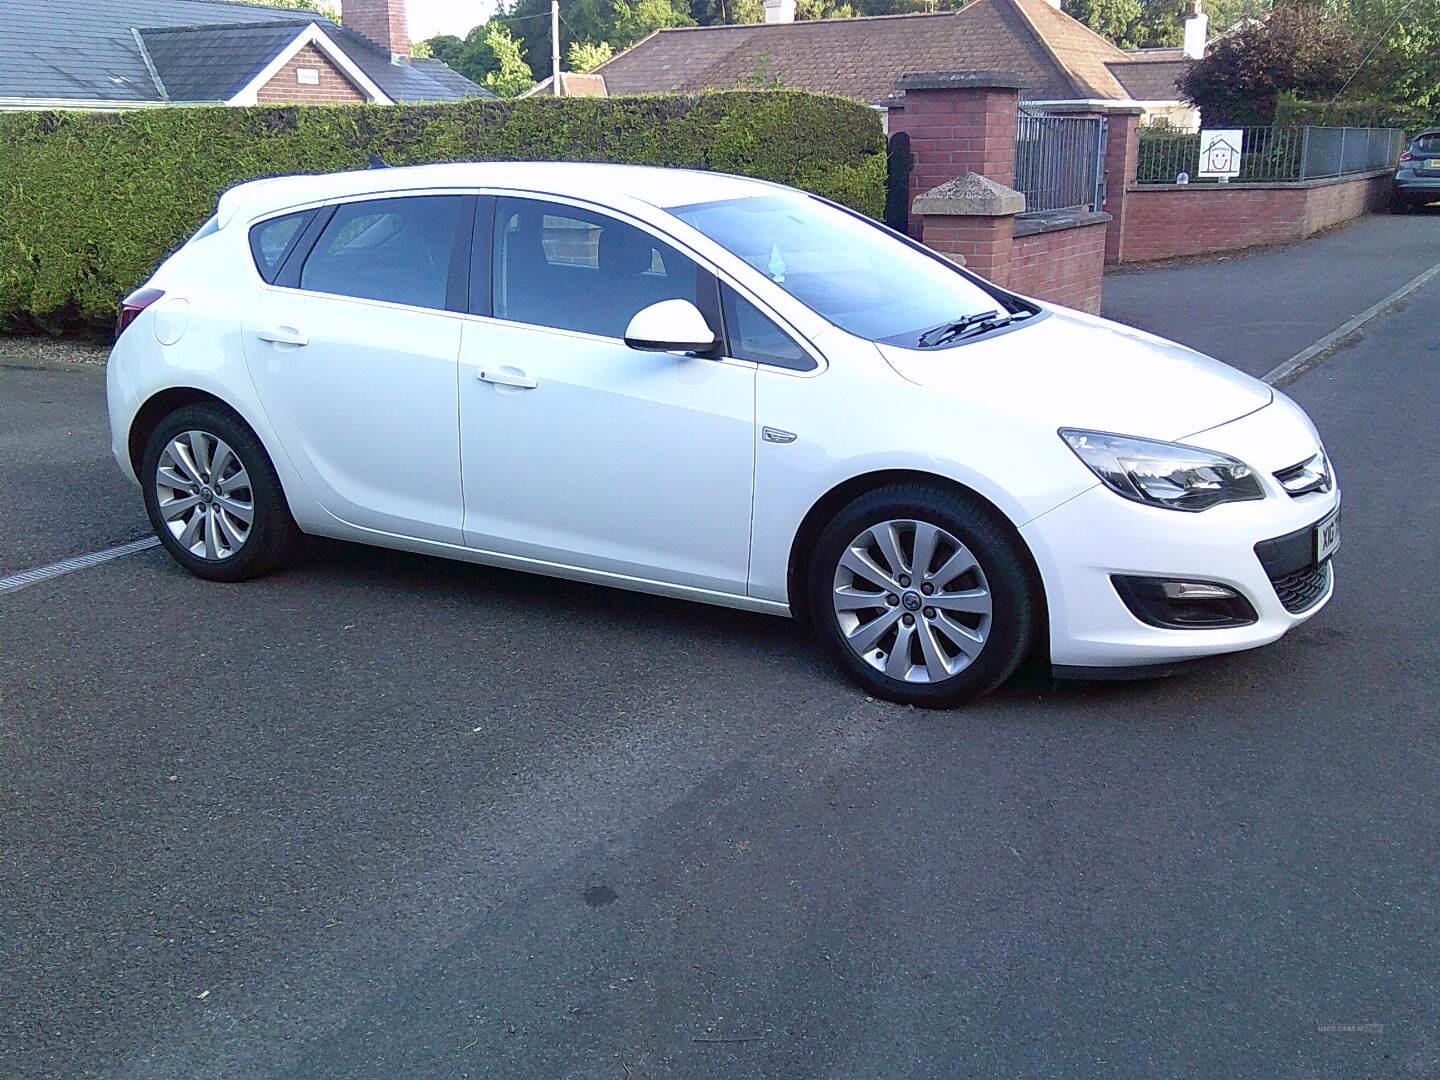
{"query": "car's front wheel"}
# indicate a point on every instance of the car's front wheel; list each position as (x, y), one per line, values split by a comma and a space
(923, 596)
(213, 497)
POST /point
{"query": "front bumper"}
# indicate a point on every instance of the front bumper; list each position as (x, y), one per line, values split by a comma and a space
(1079, 546)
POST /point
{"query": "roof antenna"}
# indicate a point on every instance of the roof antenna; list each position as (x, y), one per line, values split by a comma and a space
(377, 162)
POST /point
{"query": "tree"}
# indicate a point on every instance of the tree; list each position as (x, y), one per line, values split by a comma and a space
(512, 76)
(586, 56)
(1400, 45)
(1296, 48)
(824, 9)
(635, 19)
(446, 48)
(1113, 19)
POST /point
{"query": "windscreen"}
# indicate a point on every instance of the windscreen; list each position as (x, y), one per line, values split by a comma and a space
(852, 273)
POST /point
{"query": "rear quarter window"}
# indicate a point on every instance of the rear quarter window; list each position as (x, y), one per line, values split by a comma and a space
(271, 241)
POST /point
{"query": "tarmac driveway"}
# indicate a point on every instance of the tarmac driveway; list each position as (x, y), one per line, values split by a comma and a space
(384, 816)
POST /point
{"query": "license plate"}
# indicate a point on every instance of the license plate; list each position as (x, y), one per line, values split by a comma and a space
(1327, 537)
(1432, 163)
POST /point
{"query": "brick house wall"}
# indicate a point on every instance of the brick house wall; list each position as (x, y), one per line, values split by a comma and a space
(285, 88)
(1165, 221)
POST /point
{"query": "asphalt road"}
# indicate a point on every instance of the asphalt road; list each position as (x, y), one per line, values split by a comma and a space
(382, 816)
(1259, 308)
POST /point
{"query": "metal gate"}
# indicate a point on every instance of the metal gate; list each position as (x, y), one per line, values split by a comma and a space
(1060, 161)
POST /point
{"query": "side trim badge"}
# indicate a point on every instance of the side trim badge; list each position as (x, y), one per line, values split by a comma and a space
(775, 435)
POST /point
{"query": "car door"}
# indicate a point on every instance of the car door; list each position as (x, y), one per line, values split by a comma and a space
(354, 347)
(578, 450)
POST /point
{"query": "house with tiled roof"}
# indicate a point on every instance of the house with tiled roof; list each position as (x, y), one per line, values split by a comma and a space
(1060, 59)
(123, 54)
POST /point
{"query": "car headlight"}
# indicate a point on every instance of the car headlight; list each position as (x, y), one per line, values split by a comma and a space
(1164, 474)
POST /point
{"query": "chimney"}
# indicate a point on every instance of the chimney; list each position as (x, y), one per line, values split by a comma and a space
(1197, 25)
(779, 11)
(383, 22)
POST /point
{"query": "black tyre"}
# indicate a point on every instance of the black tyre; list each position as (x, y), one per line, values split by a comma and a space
(923, 595)
(213, 497)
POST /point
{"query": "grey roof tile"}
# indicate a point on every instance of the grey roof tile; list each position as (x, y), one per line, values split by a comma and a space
(84, 50)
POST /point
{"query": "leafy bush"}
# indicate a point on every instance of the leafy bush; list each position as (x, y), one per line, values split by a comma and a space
(90, 203)
(1355, 112)
(1297, 47)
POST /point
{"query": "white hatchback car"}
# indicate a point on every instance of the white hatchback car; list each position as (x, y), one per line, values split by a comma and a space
(717, 389)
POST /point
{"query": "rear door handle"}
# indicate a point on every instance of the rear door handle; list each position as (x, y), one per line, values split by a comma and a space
(283, 335)
(507, 377)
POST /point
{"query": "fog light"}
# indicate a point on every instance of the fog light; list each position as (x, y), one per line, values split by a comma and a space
(1183, 605)
(1196, 590)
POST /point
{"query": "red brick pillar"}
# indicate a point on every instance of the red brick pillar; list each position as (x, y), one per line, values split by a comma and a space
(1122, 160)
(971, 219)
(958, 122)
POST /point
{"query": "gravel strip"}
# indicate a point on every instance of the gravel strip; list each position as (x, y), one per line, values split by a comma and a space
(41, 351)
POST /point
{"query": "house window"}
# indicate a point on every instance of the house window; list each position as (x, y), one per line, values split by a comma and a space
(307, 76)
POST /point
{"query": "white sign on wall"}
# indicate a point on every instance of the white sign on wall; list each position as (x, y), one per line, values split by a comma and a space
(1220, 151)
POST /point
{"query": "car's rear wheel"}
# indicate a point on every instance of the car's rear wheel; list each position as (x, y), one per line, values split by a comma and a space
(923, 596)
(213, 497)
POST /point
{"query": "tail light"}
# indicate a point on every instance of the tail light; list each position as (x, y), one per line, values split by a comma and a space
(1407, 156)
(133, 305)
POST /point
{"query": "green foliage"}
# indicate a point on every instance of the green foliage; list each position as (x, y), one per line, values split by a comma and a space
(91, 202)
(1150, 24)
(1404, 68)
(824, 9)
(330, 10)
(635, 19)
(511, 76)
(586, 56)
(765, 75)
(1114, 19)
(1297, 48)
(1349, 112)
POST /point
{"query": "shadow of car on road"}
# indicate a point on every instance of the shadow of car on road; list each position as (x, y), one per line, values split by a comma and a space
(591, 618)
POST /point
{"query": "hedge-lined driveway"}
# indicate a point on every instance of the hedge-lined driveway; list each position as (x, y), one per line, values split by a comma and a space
(385, 816)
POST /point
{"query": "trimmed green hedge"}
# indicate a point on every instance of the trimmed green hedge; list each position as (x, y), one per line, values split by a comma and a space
(90, 203)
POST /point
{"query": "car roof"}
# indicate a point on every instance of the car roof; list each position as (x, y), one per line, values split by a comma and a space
(596, 182)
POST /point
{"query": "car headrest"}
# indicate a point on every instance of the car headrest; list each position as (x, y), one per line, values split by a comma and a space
(624, 251)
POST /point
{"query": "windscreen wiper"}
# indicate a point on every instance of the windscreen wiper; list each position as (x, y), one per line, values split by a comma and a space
(979, 323)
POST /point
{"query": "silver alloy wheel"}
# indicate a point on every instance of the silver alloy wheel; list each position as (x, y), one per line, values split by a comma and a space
(912, 601)
(204, 495)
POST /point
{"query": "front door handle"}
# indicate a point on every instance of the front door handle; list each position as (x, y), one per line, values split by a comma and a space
(283, 335)
(507, 376)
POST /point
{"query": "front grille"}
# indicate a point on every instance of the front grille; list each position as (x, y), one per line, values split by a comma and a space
(1312, 474)
(1302, 589)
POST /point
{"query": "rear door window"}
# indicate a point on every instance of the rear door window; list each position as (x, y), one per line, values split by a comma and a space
(271, 241)
(572, 269)
(401, 250)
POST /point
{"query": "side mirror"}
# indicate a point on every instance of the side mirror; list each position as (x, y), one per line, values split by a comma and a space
(670, 326)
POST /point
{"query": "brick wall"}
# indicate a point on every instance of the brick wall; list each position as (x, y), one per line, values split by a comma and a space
(1061, 265)
(1164, 221)
(958, 123)
(285, 87)
(981, 244)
